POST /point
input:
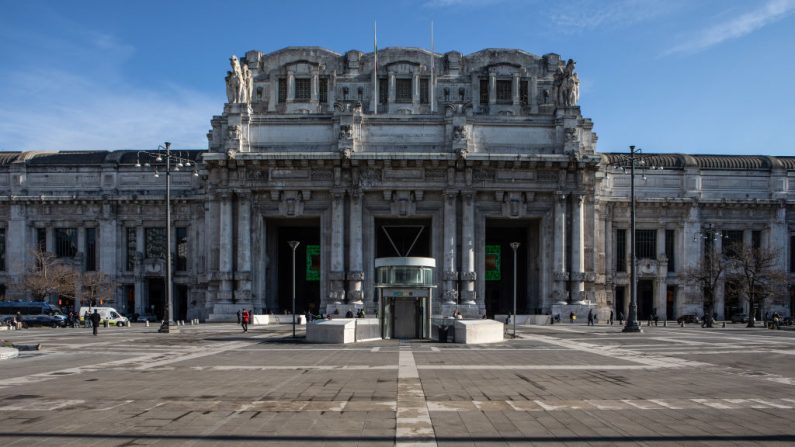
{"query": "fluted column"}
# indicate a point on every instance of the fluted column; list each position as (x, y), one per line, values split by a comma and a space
(225, 246)
(577, 248)
(515, 90)
(468, 249)
(492, 88)
(290, 86)
(450, 274)
(243, 274)
(559, 249)
(355, 255)
(337, 273)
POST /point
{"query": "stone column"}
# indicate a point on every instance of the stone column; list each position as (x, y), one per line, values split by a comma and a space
(392, 91)
(469, 276)
(81, 247)
(50, 239)
(577, 248)
(18, 250)
(718, 295)
(450, 294)
(336, 291)
(559, 274)
(243, 274)
(108, 243)
(314, 95)
(533, 94)
(492, 88)
(273, 98)
(290, 86)
(225, 247)
(355, 254)
(415, 89)
(515, 90)
(141, 300)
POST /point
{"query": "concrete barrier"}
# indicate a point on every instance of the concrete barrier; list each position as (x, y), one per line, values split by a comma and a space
(8, 353)
(478, 331)
(525, 319)
(265, 319)
(332, 331)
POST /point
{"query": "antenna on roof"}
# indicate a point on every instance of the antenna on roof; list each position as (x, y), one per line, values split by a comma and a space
(375, 95)
(433, 75)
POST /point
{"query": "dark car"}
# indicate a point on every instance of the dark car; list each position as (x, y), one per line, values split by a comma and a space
(687, 319)
(44, 320)
(740, 318)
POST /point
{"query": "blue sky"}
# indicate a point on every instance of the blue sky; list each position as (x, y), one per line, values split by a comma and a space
(710, 76)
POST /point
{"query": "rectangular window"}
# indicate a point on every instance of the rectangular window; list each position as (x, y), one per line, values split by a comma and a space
(484, 92)
(504, 91)
(402, 90)
(182, 249)
(282, 90)
(323, 93)
(383, 90)
(131, 248)
(732, 243)
(65, 242)
(2, 249)
(756, 240)
(155, 243)
(669, 250)
(524, 96)
(646, 244)
(91, 249)
(424, 90)
(41, 239)
(303, 89)
(621, 250)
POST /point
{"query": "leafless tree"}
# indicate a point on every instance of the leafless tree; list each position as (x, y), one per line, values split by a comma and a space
(48, 276)
(706, 274)
(756, 272)
(97, 288)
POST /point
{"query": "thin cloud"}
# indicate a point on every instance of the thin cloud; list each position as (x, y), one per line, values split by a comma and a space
(736, 27)
(583, 15)
(460, 3)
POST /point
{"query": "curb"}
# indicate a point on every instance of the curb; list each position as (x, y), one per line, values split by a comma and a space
(8, 353)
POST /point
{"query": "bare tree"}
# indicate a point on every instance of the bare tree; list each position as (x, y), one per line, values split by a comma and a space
(48, 276)
(757, 273)
(707, 273)
(97, 288)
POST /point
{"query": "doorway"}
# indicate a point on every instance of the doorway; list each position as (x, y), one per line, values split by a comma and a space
(621, 301)
(498, 267)
(670, 300)
(308, 261)
(156, 297)
(645, 299)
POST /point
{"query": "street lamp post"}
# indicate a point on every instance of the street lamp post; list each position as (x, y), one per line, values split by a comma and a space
(710, 275)
(293, 245)
(633, 160)
(514, 246)
(156, 159)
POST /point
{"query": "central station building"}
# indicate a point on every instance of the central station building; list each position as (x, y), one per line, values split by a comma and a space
(405, 153)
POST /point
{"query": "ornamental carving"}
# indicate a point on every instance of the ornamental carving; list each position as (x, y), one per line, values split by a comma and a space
(356, 276)
(450, 276)
(451, 296)
(469, 276)
(560, 276)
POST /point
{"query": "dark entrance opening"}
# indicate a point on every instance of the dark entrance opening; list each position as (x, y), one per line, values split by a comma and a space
(307, 265)
(731, 295)
(180, 302)
(156, 297)
(499, 267)
(621, 301)
(645, 299)
(402, 237)
(670, 296)
(129, 300)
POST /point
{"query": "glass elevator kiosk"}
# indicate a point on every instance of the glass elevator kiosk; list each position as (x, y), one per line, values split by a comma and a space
(405, 298)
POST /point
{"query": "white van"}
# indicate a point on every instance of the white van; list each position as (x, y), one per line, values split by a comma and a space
(109, 314)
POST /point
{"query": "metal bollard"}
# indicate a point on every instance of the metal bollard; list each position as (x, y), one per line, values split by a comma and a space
(147, 323)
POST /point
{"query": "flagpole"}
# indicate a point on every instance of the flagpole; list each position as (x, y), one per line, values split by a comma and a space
(375, 68)
(432, 93)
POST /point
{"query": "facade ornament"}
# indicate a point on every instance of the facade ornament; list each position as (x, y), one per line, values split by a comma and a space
(567, 85)
(346, 132)
(459, 133)
(239, 82)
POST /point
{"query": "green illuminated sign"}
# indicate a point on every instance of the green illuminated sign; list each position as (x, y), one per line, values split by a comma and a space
(313, 262)
(493, 260)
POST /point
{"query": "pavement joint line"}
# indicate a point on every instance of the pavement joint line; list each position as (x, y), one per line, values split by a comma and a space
(413, 426)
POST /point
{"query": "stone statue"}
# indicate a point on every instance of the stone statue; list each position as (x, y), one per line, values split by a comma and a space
(230, 90)
(247, 85)
(567, 85)
(238, 82)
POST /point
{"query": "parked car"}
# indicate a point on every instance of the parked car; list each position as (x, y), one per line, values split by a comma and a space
(740, 318)
(687, 319)
(44, 320)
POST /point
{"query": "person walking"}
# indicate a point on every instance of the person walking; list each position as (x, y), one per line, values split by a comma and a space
(238, 316)
(611, 318)
(95, 322)
(590, 317)
(621, 318)
(244, 319)
(572, 317)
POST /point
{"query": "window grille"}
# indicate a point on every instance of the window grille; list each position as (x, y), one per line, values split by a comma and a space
(323, 93)
(669, 250)
(402, 90)
(282, 90)
(91, 249)
(65, 242)
(303, 89)
(131, 247)
(182, 249)
(646, 244)
(155, 243)
(424, 90)
(621, 250)
(484, 91)
(504, 91)
(383, 90)
(732, 243)
(524, 96)
(41, 239)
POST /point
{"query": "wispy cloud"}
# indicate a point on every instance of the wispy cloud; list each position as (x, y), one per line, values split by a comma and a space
(735, 27)
(583, 15)
(460, 3)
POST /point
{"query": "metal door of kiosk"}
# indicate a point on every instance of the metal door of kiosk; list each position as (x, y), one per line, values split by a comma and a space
(405, 286)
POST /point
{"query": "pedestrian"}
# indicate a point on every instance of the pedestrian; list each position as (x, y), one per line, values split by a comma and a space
(621, 318)
(244, 320)
(238, 316)
(572, 317)
(611, 318)
(95, 321)
(590, 317)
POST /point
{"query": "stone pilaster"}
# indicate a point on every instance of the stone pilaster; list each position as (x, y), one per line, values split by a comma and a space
(469, 276)
(577, 248)
(450, 276)
(559, 272)
(225, 247)
(336, 290)
(243, 273)
(355, 254)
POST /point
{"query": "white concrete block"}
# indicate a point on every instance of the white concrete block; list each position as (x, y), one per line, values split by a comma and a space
(332, 331)
(478, 331)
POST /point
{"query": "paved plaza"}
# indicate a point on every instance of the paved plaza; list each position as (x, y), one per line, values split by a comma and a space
(570, 385)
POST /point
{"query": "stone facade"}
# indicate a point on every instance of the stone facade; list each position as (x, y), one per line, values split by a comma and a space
(439, 155)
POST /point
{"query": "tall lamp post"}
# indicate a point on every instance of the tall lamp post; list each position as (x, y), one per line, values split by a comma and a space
(514, 246)
(156, 161)
(711, 273)
(632, 161)
(293, 245)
